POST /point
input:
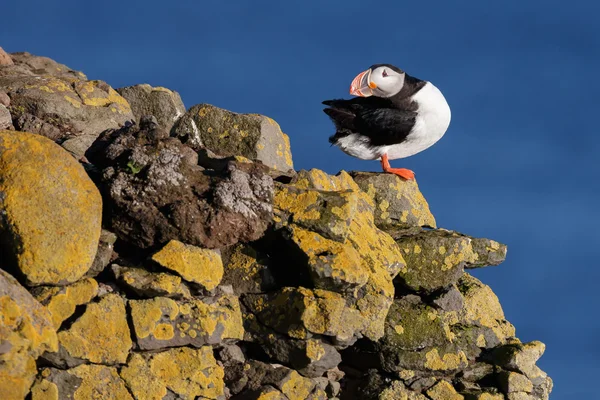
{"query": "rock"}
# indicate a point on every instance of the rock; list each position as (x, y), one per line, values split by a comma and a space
(246, 271)
(352, 250)
(201, 266)
(435, 259)
(411, 325)
(510, 382)
(52, 210)
(162, 322)
(450, 300)
(188, 373)
(399, 204)
(28, 64)
(311, 358)
(150, 284)
(264, 393)
(4, 99)
(157, 193)
(478, 395)
(103, 254)
(62, 301)
(301, 313)
(26, 331)
(225, 133)
(101, 335)
(70, 110)
(482, 308)
(231, 354)
(521, 358)
(5, 118)
(443, 390)
(291, 383)
(82, 382)
(162, 103)
(5, 59)
(488, 252)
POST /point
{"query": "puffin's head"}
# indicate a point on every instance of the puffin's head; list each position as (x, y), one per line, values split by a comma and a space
(381, 80)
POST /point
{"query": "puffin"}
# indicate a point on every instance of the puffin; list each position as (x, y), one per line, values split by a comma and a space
(393, 115)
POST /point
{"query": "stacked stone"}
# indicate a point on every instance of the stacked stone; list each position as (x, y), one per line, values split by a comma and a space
(184, 258)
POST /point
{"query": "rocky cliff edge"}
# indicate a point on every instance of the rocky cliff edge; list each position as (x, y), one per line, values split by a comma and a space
(154, 252)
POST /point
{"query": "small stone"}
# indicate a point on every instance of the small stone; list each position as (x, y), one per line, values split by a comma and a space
(162, 322)
(521, 358)
(62, 301)
(399, 204)
(201, 266)
(510, 382)
(26, 331)
(226, 133)
(82, 382)
(5, 118)
(101, 335)
(443, 390)
(52, 211)
(488, 252)
(104, 253)
(231, 354)
(291, 383)
(164, 104)
(150, 284)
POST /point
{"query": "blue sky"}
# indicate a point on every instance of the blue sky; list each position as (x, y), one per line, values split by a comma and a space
(519, 163)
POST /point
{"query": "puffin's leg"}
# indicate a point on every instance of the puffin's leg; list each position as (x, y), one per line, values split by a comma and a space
(401, 172)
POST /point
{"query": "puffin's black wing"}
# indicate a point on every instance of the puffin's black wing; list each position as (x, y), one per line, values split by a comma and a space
(373, 117)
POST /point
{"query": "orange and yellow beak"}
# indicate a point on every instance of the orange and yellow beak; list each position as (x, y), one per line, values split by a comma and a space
(362, 85)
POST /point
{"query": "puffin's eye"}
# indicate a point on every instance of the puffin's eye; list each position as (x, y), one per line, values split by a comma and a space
(384, 73)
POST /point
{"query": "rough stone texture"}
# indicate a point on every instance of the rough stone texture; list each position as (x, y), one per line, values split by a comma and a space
(225, 133)
(188, 373)
(443, 390)
(163, 322)
(398, 203)
(101, 335)
(82, 382)
(5, 59)
(150, 284)
(104, 253)
(164, 104)
(4, 99)
(336, 284)
(62, 301)
(246, 270)
(337, 243)
(5, 118)
(26, 331)
(157, 192)
(201, 266)
(52, 210)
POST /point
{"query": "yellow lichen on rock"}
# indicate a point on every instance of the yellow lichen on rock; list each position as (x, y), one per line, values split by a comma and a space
(26, 331)
(295, 386)
(443, 390)
(449, 361)
(100, 94)
(163, 322)
(53, 210)
(61, 301)
(190, 373)
(92, 382)
(141, 381)
(101, 335)
(202, 266)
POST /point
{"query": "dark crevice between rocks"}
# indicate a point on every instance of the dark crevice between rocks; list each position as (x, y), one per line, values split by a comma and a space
(131, 326)
(8, 256)
(79, 311)
(287, 263)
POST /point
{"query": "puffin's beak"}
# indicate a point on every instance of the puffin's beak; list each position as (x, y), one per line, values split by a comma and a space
(362, 85)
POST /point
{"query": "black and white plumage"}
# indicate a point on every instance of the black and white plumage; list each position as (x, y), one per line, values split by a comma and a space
(395, 116)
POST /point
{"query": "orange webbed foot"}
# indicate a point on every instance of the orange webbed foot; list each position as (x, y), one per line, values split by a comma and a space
(401, 172)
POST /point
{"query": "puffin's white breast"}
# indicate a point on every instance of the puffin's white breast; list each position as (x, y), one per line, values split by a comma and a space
(432, 121)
